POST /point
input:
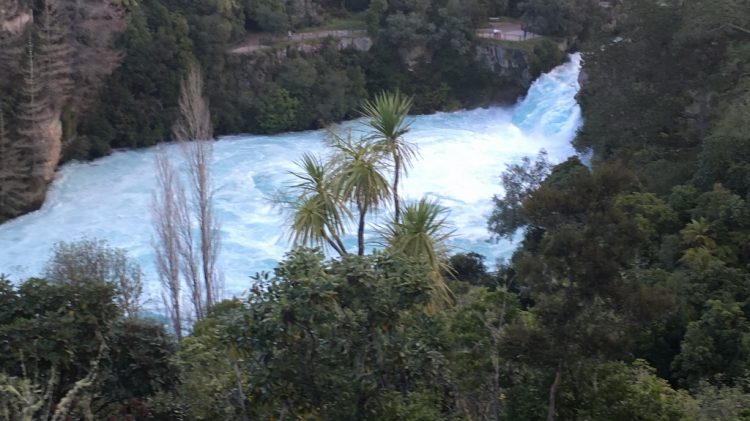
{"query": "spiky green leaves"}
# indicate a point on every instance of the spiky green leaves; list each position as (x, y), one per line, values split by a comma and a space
(386, 116)
(422, 234)
(318, 210)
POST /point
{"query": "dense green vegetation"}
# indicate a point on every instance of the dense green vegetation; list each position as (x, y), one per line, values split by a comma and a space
(628, 297)
(286, 87)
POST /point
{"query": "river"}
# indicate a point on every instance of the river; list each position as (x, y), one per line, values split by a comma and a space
(461, 156)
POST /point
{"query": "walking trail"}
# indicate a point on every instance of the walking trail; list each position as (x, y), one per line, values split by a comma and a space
(508, 31)
(259, 41)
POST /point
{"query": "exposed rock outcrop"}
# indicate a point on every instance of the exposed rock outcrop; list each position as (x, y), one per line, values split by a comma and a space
(306, 42)
(361, 43)
(514, 64)
(50, 132)
(49, 135)
(71, 60)
(94, 26)
(520, 63)
(415, 54)
(13, 19)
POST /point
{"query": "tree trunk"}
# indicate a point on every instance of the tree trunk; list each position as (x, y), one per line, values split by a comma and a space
(195, 132)
(341, 245)
(361, 230)
(553, 396)
(165, 208)
(495, 407)
(702, 120)
(240, 391)
(207, 246)
(335, 246)
(396, 177)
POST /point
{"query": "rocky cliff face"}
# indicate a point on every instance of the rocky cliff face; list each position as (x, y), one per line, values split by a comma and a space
(414, 54)
(71, 59)
(50, 132)
(514, 64)
(49, 145)
(358, 43)
(94, 26)
(13, 18)
(306, 43)
(22, 185)
(520, 63)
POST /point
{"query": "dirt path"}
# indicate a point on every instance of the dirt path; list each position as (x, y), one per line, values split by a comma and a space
(509, 31)
(256, 41)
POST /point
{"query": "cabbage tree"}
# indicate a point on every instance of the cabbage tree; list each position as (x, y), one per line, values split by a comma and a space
(319, 213)
(386, 116)
(422, 234)
(359, 179)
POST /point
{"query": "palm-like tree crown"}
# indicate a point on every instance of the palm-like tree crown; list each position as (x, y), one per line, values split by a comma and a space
(386, 116)
(358, 173)
(319, 213)
(422, 234)
(359, 178)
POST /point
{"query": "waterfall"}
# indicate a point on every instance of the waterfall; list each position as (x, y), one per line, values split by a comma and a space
(461, 156)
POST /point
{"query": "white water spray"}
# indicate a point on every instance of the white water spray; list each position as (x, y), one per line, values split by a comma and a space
(462, 155)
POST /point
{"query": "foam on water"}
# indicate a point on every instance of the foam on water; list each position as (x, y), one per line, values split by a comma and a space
(461, 157)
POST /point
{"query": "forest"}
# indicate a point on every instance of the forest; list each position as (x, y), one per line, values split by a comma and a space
(627, 298)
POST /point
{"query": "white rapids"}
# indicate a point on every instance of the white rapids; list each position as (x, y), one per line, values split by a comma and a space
(461, 156)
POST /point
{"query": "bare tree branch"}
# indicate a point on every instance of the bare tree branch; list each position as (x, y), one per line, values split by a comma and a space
(187, 230)
(194, 122)
(165, 208)
(194, 131)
